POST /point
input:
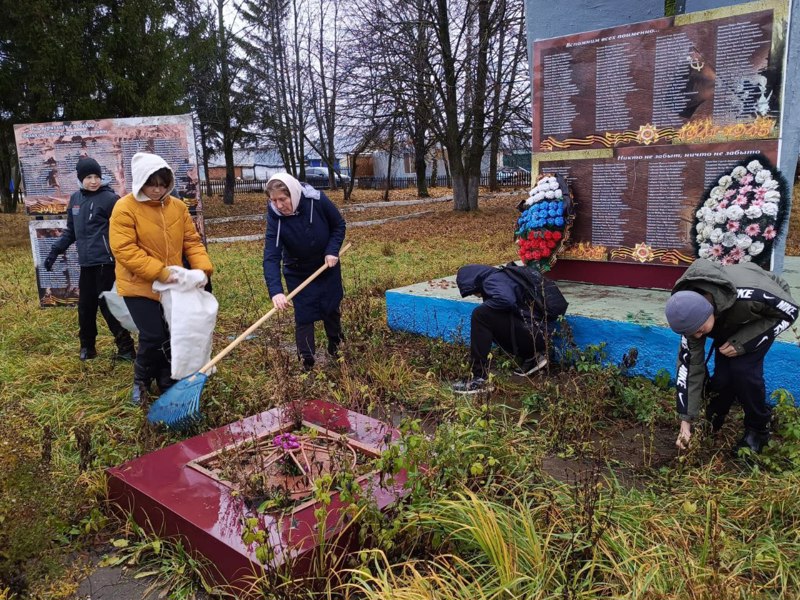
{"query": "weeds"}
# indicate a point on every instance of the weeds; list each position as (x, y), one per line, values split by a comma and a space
(783, 452)
(172, 569)
(483, 519)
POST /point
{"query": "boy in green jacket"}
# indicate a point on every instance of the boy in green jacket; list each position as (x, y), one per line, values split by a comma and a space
(742, 308)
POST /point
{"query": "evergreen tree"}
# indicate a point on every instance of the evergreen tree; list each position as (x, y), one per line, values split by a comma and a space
(75, 59)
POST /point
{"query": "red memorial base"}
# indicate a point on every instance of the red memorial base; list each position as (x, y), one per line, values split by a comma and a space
(188, 489)
(616, 273)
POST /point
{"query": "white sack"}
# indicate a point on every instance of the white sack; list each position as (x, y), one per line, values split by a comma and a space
(191, 314)
(116, 304)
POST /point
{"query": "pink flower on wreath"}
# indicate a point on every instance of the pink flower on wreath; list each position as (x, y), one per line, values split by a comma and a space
(760, 193)
(726, 260)
(735, 255)
(723, 204)
(745, 189)
(729, 193)
(758, 202)
(741, 200)
(769, 232)
(733, 225)
(747, 179)
(753, 229)
(717, 250)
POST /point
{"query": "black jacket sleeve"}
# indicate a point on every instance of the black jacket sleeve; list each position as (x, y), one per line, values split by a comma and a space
(67, 237)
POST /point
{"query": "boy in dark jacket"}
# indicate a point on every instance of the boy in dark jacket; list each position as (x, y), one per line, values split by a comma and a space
(742, 308)
(88, 213)
(508, 317)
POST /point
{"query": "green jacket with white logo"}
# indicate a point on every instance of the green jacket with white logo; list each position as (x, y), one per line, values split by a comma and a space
(751, 307)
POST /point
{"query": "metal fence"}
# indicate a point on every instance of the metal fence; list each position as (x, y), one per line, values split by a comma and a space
(504, 179)
(240, 185)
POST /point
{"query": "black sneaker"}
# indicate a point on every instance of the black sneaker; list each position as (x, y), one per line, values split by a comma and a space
(530, 365)
(88, 353)
(307, 364)
(478, 385)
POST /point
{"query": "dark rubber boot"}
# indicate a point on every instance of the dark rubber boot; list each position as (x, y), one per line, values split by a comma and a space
(88, 353)
(164, 379)
(333, 345)
(307, 363)
(126, 350)
(753, 440)
(142, 378)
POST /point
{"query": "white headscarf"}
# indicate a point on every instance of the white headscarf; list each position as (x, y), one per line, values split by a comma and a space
(143, 165)
(295, 189)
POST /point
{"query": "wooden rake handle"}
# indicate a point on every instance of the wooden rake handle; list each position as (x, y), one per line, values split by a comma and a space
(225, 351)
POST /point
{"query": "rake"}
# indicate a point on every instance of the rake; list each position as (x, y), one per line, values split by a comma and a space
(179, 406)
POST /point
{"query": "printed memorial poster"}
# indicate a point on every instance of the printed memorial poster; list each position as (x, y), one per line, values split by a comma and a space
(642, 119)
(58, 287)
(49, 152)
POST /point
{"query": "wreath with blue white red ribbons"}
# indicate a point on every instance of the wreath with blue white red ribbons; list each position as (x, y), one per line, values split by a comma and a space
(545, 221)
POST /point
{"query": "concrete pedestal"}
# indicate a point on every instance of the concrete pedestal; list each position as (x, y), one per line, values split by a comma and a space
(622, 317)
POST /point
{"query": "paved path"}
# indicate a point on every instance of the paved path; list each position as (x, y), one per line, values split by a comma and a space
(352, 207)
(260, 236)
(345, 208)
(114, 583)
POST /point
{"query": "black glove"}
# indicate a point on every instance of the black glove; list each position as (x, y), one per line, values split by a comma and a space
(50, 260)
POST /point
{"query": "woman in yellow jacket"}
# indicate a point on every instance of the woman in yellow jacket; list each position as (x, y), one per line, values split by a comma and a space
(149, 232)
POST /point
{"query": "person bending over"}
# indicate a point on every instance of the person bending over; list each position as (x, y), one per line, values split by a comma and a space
(518, 313)
(742, 308)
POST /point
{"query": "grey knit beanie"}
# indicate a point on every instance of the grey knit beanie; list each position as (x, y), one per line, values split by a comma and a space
(687, 311)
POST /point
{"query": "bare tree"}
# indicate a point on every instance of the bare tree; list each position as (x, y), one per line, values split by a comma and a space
(392, 38)
(459, 68)
(509, 84)
(436, 62)
(387, 74)
(277, 74)
(323, 62)
(367, 108)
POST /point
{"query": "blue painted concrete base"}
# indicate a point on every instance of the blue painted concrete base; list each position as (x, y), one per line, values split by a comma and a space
(623, 318)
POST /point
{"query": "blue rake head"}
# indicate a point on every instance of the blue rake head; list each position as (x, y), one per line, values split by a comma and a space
(179, 406)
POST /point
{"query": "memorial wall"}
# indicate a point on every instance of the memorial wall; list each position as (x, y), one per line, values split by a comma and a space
(641, 119)
(48, 154)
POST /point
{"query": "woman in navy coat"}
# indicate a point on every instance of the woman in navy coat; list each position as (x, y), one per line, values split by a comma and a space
(305, 230)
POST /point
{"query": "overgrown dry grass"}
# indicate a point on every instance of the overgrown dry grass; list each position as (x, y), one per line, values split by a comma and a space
(698, 528)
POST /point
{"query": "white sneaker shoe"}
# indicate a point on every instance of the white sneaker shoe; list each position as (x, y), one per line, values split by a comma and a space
(530, 365)
(478, 385)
